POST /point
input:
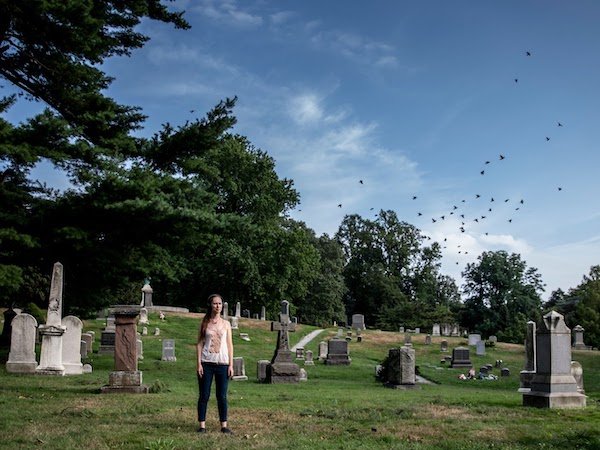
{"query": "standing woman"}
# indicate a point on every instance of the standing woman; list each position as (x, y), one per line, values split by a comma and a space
(215, 359)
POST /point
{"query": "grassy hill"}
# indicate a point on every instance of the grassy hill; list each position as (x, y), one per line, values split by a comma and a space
(339, 407)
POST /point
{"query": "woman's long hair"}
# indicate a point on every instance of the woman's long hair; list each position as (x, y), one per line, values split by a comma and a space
(207, 317)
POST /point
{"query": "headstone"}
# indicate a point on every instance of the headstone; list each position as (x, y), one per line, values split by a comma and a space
(308, 361)
(238, 310)
(144, 331)
(234, 322)
(295, 320)
(255, 316)
(455, 331)
(493, 339)
(337, 352)
(246, 313)
(126, 378)
(156, 331)
(526, 375)
(444, 346)
(51, 360)
(89, 340)
(144, 317)
(417, 330)
(9, 315)
(428, 339)
(407, 338)
(262, 370)
(299, 352)
(93, 333)
(358, 322)
(340, 333)
(303, 376)
(489, 367)
(436, 330)
(505, 372)
(349, 335)
(282, 368)
(401, 329)
(480, 350)
(87, 368)
(147, 294)
(161, 315)
(245, 337)
(460, 357)
(358, 336)
(474, 339)
(110, 322)
(225, 310)
(168, 350)
(140, 349)
(71, 352)
(322, 351)
(263, 313)
(578, 344)
(553, 385)
(239, 369)
(484, 370)
(400, 372)
(577, 372)
(21, 358)
(83, 350)
(445, 329)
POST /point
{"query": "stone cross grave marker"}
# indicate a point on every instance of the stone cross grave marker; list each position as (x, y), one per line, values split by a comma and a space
(282, 368)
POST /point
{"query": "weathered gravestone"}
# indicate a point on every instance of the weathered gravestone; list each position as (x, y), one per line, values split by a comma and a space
(461, 357)
(156, 331)
(526, 375)
(225, 311)
(239, 369)
(436, 330)
(168, 350)
(445, 329)
(299, 352)
(89, 342)
(444, 346)
(246, 313)
(553, 385)
(234, 322)
(144, 331)
(480, 348)
(474, 339)
(21, 358)
(71, 352)
(400, 370)
(428, 339)
(505, 372)
(107, 337)
(493, 339)
(578, 341)
(577, 372)
(455, 331)
(143, 317)
(126, 378)
(358, 322)
(263, 313)
(238, 310)
(308, 361)
(140, 349)
(484, 370)
(51, 361)
(282, 369)
(262, 366)
(337, 352)
(407, 338)
(322, 351)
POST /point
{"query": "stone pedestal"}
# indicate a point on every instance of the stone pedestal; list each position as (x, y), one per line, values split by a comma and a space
(51, 353)
(461, 358)
(126, 378)
(400, 373)
(553, 385)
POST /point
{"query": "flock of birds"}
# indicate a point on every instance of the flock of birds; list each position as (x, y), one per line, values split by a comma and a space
(486, 206)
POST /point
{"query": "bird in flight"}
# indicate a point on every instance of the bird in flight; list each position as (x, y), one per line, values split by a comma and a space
(419, 214)
(433, 220)
(477, 195)
(560, 124)
(360, 181)
(414, 197)
(516, 80)
(510, 220)
(482, 172)
(547, 138)
(339, 205)
(560, 189)
(487, 162)
(528, 53)
(502, 157)
(370, 209)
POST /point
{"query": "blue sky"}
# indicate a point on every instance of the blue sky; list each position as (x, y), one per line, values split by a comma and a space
(412, 98)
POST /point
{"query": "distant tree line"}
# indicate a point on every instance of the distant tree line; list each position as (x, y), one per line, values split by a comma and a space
(199, 209)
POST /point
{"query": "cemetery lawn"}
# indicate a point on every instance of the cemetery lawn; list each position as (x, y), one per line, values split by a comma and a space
(339, 407)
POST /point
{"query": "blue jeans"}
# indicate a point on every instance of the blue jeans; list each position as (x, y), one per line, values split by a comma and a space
(219, 372)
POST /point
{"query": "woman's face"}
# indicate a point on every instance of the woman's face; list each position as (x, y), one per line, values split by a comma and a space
(216, 305)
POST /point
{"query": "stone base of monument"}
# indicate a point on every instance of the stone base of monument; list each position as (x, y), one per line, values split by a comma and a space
(401, 386)
(338, 360)
(125, 382)
(554, 400)
(283, 372)
(73, 368)
(59, 371)
(21, 367)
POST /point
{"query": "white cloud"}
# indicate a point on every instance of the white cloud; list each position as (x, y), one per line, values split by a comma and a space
(305, 109)
(281, 17)
(228, 11)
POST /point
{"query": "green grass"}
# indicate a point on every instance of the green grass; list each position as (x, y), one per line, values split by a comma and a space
(340, 407)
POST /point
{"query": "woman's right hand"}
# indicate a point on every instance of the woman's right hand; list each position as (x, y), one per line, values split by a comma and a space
(200, 370)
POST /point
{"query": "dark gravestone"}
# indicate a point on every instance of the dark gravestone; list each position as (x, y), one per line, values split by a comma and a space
(337, 353)
(262, 366)
(505, 372)
(9, 315)
(282, 368)
(460, 357)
